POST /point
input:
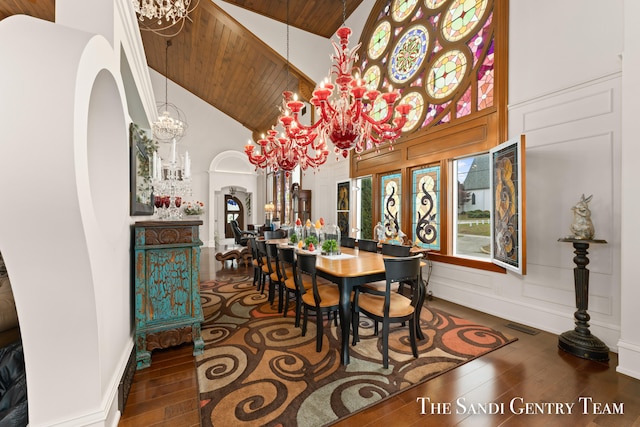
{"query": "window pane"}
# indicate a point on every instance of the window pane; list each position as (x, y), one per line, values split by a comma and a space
(391, 187)
(425, 223)
(472, 202)
(363, 228)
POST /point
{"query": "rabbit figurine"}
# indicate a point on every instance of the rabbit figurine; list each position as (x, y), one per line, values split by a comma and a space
(582, 227)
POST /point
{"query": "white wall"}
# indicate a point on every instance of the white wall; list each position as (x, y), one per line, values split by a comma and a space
(629, 343)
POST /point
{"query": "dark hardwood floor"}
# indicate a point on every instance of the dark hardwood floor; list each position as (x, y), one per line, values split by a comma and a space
(531, 373)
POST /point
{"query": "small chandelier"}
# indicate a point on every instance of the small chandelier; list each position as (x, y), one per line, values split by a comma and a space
(161, 16)
(346, 118)
(296, 146)
(171, 124)
(286, 153)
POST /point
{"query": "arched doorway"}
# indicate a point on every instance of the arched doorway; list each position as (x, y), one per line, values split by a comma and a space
(233, 209)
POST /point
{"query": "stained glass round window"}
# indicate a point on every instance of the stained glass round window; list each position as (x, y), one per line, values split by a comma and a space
(417, 106)
(461, 18)
(408, 54)
(401, 9)
(379, 110)
(434, 4)
(371, 77)
(379, 40)
(446, 74)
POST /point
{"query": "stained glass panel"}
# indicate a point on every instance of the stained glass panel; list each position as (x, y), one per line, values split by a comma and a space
(446, 74)
(461, 18)
(464, 105)
(506, 186)
(371, 77)
(408, 54)
(417, 103)
(401, 9)
(425, 223)
(380, 109)
(391, 190)
(434, 4)
(379, 40)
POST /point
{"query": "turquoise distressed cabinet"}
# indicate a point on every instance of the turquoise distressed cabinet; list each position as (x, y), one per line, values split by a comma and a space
(168, 310)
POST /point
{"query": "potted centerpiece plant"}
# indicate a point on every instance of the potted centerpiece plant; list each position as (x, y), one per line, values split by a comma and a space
(330, 247)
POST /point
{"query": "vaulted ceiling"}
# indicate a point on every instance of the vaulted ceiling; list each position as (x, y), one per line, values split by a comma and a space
(223, 63)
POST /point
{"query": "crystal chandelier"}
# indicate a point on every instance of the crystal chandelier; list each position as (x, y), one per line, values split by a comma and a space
(171, 183)
(296, 146)
(285, 152)
(171, 124)
(161, 16)
(348, 118)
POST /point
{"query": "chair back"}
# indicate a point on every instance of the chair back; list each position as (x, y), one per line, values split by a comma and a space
(272, 256)
(402, 269)
(396, 250)
(237, 233)
(348, 242)
(277, 234)
(253, 247)
(306, 264)
(286, 258)
(262, 250)
(368, 245)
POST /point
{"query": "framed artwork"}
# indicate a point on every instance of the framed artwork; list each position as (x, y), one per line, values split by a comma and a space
(507, 216)
(343, 196)
(343, 207)
(141, 188)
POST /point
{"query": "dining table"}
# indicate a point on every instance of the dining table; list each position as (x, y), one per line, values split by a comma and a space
(348, 269)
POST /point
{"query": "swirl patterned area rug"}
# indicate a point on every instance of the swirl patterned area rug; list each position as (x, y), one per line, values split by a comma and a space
(257, 369)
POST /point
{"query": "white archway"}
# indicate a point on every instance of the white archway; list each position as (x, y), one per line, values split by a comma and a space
(66, 244)
(230, 169)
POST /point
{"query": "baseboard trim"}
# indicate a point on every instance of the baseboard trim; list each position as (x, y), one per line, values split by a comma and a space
(126, 381)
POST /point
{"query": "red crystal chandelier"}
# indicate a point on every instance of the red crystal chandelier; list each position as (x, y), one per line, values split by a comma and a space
(296, 146)
(287, 151)
(346, 117)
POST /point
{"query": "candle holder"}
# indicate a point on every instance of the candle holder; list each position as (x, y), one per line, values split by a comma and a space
(579, 341)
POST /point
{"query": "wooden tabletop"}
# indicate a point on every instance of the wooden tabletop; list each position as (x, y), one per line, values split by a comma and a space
(357, 264)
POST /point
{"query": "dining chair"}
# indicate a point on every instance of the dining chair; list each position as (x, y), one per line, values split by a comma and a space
(348, 242)
(289, 279)
(274, 280)
(265, 269)
(391, 307)
(320, 299)
(255, 260)
(368, 245)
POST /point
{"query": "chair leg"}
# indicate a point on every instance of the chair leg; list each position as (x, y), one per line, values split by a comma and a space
(286, 301)
(319, 330)
(280, 297)
(298, 309)
(412, 338)
(355, 322)
(304, 321)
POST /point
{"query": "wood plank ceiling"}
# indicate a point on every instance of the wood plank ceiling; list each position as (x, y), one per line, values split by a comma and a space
(218, 60)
